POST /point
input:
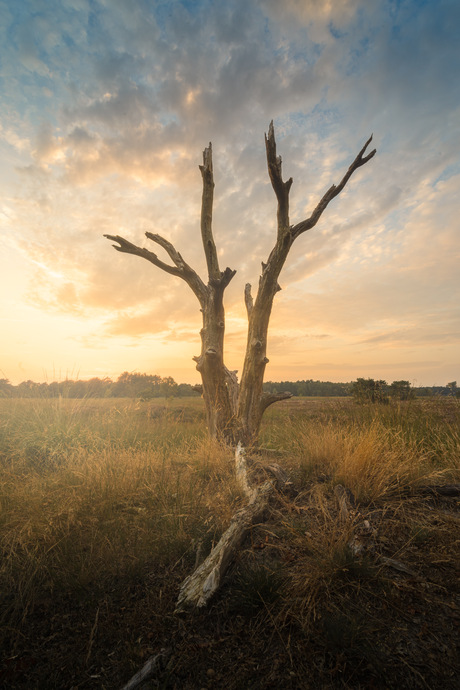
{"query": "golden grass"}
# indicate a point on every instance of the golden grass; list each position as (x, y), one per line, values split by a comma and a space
(93, 492)
(380, 452)
(89, 504)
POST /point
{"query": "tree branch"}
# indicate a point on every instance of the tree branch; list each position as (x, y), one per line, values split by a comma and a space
(150, 668)
(168, 247)
(332, 192)
(216, 278)
(129, 248)
(181, 269)
(249, 302)
(206, 215)
(281, 188)
(225, 278)
(198, 588)
(268, 399)
(187, 272)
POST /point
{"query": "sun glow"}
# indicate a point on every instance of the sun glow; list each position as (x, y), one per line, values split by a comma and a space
(113, 147)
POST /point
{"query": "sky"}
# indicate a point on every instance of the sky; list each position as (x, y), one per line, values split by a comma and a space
(105, 109)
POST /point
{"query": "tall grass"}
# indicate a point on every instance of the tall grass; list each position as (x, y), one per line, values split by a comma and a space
(97, 490)
(379, 453)
(373, 450)
(91, 491)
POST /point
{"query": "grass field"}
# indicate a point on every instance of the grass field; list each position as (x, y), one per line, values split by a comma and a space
(107, 505)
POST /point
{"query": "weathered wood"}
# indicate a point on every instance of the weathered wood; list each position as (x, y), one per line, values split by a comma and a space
(252, 403)
(154, 665)
(181, 269)
(220, 388)
(241, 469)
(280, 188)
(198, 588)
(234, 411)
(249, 302)
(333, 191)
(207, 201)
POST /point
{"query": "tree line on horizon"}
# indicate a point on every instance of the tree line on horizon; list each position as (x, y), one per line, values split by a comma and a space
(127, 385)
(362, 390)
(147, 386)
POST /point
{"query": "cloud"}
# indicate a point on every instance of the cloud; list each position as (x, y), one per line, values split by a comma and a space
(166, 315)
(328, 19)
(411, 337)
(108, 105)
(28, 49)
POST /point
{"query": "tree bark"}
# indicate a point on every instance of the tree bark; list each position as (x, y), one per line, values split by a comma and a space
(198, 588)
(218, 386)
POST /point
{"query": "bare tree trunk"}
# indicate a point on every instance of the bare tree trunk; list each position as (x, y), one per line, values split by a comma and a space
(234, 412)
(210, 364)
(252, 401)
(219, 402)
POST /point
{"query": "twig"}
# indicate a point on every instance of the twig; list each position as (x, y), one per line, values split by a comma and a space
(91, 636)
(397, 565)
(150, 668)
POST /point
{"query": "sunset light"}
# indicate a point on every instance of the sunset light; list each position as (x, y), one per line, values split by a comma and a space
(106, 108)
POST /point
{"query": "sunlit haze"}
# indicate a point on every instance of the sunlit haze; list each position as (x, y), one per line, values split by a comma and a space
(106, 107)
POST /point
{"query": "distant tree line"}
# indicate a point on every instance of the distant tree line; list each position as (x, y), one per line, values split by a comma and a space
(369, 390)
(146, 386)
(362, 390)
(310, 387)
(128, 385)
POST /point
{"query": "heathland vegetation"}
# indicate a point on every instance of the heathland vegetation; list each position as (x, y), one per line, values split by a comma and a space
(108, 504)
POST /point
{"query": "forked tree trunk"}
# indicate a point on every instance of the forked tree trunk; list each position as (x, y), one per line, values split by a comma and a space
(234, 411)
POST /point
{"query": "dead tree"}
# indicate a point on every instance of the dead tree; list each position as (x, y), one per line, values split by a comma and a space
(234, 410)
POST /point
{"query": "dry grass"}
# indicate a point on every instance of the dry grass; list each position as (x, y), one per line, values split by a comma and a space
(86, 495)
(104, 505)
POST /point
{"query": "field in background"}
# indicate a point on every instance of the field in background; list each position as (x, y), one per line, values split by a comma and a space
(107, 505)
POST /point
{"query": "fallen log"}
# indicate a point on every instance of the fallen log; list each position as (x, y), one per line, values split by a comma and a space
(449, 490)
(198, 588)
